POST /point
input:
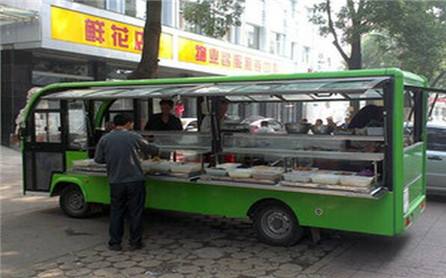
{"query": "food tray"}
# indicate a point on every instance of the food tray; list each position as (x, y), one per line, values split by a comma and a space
(325, 178)
(356, 181)
(219, 172)
(268, 170)
(240, 173)
(298, 176)
(186, 167)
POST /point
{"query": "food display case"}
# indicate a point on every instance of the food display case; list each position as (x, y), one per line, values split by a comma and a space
(345, 165)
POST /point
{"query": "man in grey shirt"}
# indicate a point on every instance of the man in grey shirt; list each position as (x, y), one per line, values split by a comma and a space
(121, 150)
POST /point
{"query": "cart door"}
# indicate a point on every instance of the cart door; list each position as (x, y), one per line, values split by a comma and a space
(44, 146)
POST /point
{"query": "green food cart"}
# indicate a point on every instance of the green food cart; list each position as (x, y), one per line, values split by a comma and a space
(284, 181)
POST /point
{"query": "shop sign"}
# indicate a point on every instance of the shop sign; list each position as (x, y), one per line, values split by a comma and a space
(196, 52)
(76, 27)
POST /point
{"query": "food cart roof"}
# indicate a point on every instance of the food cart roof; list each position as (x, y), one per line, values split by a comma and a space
(288, 90)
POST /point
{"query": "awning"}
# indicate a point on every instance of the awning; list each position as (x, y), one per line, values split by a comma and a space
(289, 90)
(9, 15)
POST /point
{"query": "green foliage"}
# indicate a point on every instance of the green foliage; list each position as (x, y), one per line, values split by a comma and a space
(404, 33)
(214, 17)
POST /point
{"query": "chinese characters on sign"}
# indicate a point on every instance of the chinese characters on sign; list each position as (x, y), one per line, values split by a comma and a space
(81, 28)
(196, 52)
(75, 27)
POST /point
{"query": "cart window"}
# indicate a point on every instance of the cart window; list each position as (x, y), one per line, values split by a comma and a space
(47, 127)
(77, 127)
(409, 118)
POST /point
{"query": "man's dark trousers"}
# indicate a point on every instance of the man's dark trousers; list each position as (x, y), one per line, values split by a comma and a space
(127, 199)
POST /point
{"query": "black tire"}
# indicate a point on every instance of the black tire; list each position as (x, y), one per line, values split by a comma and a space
(72, 202)
(277, 225)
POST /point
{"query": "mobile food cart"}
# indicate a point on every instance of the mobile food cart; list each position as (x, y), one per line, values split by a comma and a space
(283, 181)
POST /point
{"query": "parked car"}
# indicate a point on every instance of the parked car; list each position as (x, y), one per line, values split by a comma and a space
(436, 159)
(189, 124)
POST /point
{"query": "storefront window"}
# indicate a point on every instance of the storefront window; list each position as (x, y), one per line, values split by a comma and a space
(252, 36)
(100, 4)
(277, 44)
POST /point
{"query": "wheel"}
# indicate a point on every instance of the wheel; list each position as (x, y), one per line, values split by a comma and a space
(276, 225)
(72, 202)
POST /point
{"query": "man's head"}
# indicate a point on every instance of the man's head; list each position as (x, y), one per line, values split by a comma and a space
(264, 124)
(166, 106)
(223, 105)
(123, 121)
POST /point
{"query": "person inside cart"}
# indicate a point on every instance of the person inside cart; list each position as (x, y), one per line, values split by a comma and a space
(120, 150)
(165, 120)
(223, 105)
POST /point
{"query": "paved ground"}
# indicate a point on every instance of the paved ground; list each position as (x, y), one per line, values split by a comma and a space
(37, 240)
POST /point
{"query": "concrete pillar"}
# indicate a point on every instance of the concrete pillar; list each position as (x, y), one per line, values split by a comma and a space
(16, 80)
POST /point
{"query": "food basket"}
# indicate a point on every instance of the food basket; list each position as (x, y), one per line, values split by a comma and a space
(240, 173)
(186, 168)
(356, 181)
(325, 178)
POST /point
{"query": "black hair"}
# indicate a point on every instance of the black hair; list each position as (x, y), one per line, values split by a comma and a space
(166, 101)
(122, 120)
(264, 123)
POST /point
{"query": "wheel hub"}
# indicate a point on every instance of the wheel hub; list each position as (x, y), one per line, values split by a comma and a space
(276, 224)
(76, 201)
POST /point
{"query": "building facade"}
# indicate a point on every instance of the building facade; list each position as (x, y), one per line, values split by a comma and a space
(47, 41)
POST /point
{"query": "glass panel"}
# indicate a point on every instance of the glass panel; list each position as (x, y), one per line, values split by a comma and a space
(217, 89)
(46, 164)
(40, 123)
(70, 94)
(297, 97)
(104, 94)
(48, 104)
(122, 104)
(77, 126)
(264, 98)
(409, 118)
(238, 98)
(47, 127)
(54, 128)
(349, 85)
(369, 94)
(144, 92)
(256, 88)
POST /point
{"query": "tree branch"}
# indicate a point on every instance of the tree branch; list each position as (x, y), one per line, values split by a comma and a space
(335, 35)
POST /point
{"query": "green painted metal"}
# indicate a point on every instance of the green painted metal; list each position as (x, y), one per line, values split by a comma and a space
(383, 216)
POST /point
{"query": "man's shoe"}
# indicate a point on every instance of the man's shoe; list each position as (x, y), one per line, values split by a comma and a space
(134, 247)
(115, 247)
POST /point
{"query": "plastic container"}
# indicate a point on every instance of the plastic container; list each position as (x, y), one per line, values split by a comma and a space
(356, 181)
(240, 173)
(325, 178)
(298, 176)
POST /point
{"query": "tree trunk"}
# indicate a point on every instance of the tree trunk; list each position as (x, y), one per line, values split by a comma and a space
(355, 61)
(148, 65)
